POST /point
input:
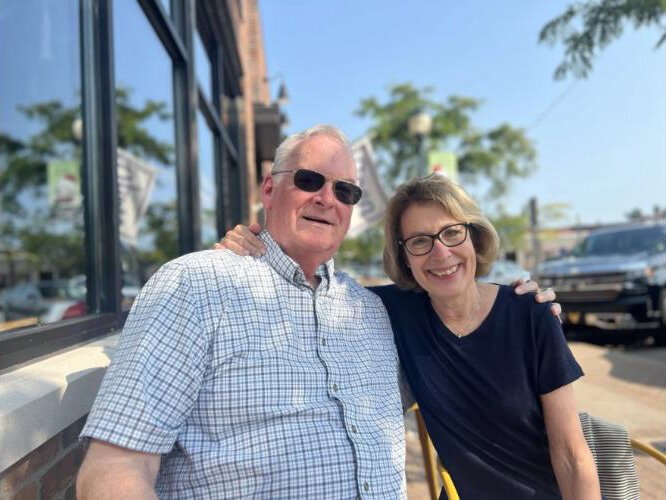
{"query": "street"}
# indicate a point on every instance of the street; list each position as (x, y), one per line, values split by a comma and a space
(625, 385)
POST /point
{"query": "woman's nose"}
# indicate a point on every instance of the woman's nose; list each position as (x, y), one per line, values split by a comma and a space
(440, 249)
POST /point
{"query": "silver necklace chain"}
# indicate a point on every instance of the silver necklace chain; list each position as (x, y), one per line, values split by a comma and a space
(461, 333)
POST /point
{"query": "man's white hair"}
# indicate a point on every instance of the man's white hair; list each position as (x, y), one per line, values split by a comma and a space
(289, 147)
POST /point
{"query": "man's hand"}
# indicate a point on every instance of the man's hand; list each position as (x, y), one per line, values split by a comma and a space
(242, 240)
(547, 295)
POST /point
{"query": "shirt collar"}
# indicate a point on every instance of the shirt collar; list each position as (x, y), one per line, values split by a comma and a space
(287, 267)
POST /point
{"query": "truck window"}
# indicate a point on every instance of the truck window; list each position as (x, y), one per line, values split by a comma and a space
(649, 240)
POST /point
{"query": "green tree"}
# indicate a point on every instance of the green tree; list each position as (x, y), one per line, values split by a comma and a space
(497, 155)
(587, 27)
(512, 230)
(494, 156)
(635, 214)
(161, 224)
(364, 248)
(26, 161)
(26, 222)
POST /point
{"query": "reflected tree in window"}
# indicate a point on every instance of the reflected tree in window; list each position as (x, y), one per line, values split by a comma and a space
(29, 225)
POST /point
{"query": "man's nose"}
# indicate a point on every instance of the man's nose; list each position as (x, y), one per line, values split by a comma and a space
(326, 195)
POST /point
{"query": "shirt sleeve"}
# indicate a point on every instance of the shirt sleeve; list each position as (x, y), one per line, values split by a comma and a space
(156, 371)
(557, 365)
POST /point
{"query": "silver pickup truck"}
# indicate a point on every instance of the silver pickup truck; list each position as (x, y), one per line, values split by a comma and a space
(615, 279)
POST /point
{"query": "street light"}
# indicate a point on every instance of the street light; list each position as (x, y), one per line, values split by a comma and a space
(283, 96)
(419, 126)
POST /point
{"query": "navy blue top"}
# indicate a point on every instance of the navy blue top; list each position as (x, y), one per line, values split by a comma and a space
(479, 394)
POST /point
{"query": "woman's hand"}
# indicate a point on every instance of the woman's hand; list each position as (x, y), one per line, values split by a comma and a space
(242, 240)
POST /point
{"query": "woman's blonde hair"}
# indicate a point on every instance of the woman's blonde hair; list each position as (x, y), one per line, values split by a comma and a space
(457, 204)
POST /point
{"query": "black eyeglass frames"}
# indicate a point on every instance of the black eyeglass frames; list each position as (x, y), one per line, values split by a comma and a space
(450, 236)
(311, 182)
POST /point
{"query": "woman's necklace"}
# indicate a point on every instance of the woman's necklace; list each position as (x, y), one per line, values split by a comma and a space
(463, 332)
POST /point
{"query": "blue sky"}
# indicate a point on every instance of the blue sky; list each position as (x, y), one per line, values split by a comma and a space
(601, 143)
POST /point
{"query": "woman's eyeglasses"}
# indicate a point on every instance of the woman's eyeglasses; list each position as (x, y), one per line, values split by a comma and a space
(311, 181)
(450, 236)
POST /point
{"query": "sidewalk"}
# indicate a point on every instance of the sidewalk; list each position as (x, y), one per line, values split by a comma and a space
(629, 388)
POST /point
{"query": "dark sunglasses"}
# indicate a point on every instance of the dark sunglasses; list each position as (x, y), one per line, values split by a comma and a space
(311, 181)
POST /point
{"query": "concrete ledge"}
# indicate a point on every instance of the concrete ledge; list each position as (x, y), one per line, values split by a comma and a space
(40, 399)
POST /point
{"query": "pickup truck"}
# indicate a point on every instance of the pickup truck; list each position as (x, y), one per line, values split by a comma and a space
(614, 279)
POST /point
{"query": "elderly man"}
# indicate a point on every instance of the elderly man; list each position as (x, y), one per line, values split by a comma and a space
(257, 377)
(270, 377)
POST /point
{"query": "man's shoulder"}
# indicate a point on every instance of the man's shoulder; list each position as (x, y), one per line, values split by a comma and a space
(204, 266)
(212, 260)
(206, 258)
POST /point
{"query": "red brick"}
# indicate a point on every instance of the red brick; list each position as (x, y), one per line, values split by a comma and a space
(70, 494)
(60, 476)
(28, 492)
(27, 466)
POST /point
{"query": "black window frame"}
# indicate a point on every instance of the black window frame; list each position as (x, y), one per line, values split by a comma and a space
(175, 30)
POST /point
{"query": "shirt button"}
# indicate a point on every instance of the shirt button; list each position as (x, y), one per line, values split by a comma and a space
(354, 429)
(366, 486)
(323, 341)
(335, 387)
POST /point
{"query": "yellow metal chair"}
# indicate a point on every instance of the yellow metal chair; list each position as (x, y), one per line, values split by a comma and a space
(438, 477)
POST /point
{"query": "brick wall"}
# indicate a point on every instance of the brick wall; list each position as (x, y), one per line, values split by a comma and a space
(49, 472)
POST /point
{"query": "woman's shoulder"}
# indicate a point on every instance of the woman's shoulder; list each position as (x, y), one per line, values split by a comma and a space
(526, 301)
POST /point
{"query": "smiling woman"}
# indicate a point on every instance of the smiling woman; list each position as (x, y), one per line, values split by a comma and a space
(509, 351)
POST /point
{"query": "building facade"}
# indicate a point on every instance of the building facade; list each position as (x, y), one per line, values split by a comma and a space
(131, 132)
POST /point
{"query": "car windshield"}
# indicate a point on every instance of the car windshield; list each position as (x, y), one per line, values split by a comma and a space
(649, 239)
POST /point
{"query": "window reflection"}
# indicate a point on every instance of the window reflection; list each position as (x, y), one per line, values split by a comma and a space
(146, 165)
(42, 256)
(207, 192)
(202, 66)
(166, 4)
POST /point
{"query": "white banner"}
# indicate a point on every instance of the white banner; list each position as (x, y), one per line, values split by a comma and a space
(136, 179)
(372, 206)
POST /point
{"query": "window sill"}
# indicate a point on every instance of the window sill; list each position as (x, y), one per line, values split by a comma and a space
(42, 398)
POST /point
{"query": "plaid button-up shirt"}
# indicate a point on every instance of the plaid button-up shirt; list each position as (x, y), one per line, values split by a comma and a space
(253, 385)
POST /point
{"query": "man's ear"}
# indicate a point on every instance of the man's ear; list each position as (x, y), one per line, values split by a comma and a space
(267, 190)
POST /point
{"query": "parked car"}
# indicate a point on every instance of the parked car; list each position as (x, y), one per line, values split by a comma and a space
(615, 279)
(45, 301)
(505, 272)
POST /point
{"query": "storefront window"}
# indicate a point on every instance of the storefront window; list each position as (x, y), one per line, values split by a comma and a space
(207, 191)
(42, 250)
(166, 4)
(146, 150)
(202, 66)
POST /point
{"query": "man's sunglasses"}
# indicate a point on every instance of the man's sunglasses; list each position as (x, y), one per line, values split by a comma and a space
(311, 181)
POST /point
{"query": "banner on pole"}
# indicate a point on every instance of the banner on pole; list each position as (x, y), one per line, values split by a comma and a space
(64, 188)
(136, 180)
(372, 206)
(444, 163)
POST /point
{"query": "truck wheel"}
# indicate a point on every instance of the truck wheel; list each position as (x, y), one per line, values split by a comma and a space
(660, 336)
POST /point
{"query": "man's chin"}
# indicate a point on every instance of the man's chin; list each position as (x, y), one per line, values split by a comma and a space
(318, 244)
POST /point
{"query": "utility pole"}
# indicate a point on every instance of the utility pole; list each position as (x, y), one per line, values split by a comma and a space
(534, 227)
